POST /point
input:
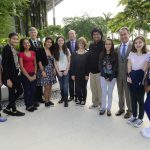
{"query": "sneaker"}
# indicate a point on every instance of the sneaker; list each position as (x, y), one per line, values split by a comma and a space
(93, 106)
(2, 119)
(8, 112)
(17, 113)
(146, 132)
(102, 112)
(138, 123)
(51, 103)
(131, 120)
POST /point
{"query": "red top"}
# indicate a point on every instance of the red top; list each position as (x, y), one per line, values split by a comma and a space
(28, 62)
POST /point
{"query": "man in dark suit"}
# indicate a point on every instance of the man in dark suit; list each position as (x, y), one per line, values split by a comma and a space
(72, 46)
(35, 45)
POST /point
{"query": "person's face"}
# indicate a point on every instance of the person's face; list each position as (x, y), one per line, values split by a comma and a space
(26, 44)
(60, 42)
(124, 36)
(138, 44)
(72, 35)
(14, 40)
(108, 45)
(96, 36)
(48, 43)
(81, 45)
(33, 34)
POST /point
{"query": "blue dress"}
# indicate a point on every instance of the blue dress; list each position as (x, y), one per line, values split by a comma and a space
(51, 77)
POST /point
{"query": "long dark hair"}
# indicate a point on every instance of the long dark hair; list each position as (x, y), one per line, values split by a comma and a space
(144, 49)
(112, 50)
(64, 48)
(53, 45)
(21, 47)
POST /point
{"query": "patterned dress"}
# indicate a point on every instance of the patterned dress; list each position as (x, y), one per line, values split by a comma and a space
(50, 78)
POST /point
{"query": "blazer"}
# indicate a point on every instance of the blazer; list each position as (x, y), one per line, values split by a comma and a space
(69, 46)
(122, 63)
(41, 56)
(32, 47)
(9, 70)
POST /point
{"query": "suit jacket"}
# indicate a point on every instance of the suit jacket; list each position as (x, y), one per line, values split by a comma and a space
(69, 46)
(122, 63)
(32, 47)
(9, 70)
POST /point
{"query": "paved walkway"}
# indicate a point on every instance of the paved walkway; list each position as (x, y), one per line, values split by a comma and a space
(72, 128)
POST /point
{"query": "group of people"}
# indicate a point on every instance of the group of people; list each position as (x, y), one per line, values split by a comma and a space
(36, 66)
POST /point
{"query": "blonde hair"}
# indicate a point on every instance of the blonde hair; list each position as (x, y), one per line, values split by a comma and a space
(32, 29)
(83, 41)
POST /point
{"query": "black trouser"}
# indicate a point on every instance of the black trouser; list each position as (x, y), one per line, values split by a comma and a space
(29, 90)
(14, 93)
(81, 88)
(137, 98)
(38, 94)
(72, 92)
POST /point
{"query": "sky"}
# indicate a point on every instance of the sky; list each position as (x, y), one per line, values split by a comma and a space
(72, 8)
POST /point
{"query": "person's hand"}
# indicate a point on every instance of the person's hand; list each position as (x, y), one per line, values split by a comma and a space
(147, 88)
(86, 77)
(44, 74)
(9, 83)
(107, 79)
(34, 77)
(65, 72)
(73, 77)
(129, 80)
(60, 74)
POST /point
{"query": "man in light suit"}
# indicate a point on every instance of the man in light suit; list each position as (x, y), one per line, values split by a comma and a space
(123, 91)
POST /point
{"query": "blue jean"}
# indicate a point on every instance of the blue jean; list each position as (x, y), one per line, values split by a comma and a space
(64, 85)
(29, 90)
(147, 105)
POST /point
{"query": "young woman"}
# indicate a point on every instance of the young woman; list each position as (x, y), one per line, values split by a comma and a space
(46, 73)
(108, 65)
(79, 71)
(27, 61)
(146, 131)
(137, 67)
(10, 74)
(62, 65)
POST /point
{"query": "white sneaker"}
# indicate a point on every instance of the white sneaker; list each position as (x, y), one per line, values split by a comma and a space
(146, 133)
(131, 120)
(147, 129)
(92, 106)
(138, 123)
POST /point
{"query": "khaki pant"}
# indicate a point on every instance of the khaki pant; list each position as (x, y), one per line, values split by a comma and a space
(95, 88)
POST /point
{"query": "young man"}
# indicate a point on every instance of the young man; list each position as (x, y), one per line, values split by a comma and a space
(35, 45)
(10, 74)
(123, 91)
(95, 49)
(72, 46)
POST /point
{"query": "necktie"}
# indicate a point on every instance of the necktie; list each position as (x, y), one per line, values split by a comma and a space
(35, 44)
(123, 51)
(72, 46)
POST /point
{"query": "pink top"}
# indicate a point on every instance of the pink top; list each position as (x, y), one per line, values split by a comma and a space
(28, 62)
(138, 61)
